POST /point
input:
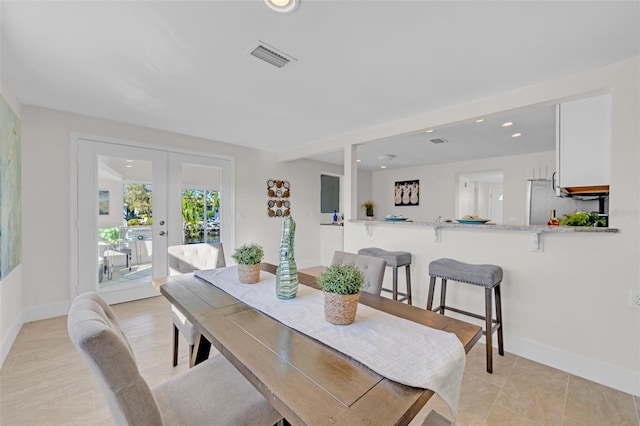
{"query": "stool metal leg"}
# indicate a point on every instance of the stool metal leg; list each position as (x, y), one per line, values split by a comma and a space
(395, 283)
(488, 326)
(499, 318)
(443, 294)
(407, 271)
(432, 286)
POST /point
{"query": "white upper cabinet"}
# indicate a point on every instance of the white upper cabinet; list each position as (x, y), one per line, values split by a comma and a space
(583, 143)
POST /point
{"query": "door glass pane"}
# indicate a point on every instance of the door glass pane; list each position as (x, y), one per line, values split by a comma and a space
(200, 204)
(124, 222)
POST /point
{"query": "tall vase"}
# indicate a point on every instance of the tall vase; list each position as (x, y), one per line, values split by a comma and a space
(287, 272)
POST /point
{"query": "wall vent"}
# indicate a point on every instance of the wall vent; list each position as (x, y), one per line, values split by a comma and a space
(271, 55)
(439, 140)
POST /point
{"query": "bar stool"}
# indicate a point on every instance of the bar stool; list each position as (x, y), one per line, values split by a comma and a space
(394, 259)
(487, 276)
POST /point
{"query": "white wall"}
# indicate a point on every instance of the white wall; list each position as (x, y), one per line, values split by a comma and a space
(11, 284)
(438, 186)
(569, 306)
(46, 162)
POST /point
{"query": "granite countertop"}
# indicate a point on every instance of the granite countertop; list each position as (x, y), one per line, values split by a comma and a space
(501, 227)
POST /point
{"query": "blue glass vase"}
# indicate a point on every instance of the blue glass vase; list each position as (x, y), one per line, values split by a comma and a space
(287, 272)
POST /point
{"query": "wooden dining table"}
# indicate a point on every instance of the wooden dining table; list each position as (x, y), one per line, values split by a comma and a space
(305, 380)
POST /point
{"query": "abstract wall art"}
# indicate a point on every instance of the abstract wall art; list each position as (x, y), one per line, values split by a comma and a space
(10, 190)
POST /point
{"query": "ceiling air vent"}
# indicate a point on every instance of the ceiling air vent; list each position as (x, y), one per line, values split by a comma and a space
(271, 55)
(439, 140)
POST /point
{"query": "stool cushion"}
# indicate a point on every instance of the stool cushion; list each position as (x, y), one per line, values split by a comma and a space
(482, 275)
(393, 258)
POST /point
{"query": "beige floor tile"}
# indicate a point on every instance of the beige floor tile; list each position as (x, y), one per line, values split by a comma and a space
(590, 403)
(45, 381)
(476, 399)
(477, 365)
(636, 400)
(501, 416)
(535, 392)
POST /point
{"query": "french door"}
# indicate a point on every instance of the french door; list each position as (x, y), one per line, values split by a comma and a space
(129, 210)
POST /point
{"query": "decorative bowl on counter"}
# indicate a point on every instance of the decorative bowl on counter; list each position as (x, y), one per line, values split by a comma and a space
(478, 221)
(395, 218)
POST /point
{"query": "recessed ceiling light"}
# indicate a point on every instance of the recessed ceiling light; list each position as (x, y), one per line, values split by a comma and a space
(282, 6)
(383, 167)
(129, 161)
(358, 161)
(516, 135)
(479, 120)
(429, 131)
(128, 166)
(507, 124)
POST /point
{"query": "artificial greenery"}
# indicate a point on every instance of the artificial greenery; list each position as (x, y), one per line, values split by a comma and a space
(110, 235)
(341, 279)
(248, 254)
(583, 219)
(368, 207)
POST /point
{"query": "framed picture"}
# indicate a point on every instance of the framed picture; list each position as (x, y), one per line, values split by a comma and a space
(407, 193)
(103, 202)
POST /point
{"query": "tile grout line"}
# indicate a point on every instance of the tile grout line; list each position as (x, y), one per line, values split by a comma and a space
(495, 400)
(564, 402)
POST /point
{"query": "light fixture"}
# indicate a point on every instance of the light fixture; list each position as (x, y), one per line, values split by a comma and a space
(507, 124)
(383, 167)
(129, 161)
(516, 135)
(128, 166)
(358, 161)
(479, 120)
(386, 157)
(429, 131)
(283, 6)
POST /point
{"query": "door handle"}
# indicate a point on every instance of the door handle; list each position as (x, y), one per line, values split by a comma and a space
(162, 233)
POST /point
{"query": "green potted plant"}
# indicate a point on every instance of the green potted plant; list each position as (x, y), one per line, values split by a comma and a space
(369, 208)
(248, 258)
(341, 285)
(583, 219)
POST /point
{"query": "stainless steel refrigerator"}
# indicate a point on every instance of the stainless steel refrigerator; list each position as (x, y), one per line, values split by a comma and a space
(542, 198)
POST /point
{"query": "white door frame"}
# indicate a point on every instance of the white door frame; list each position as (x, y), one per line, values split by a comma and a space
(227, 214)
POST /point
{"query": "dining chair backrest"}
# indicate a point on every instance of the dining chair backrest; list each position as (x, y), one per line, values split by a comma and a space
(187, 258)
(371, 267)
(95, 332)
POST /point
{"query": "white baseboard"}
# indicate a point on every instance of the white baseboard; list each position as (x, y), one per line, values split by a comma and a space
(9, 339)
(588, 368)
(41, 312)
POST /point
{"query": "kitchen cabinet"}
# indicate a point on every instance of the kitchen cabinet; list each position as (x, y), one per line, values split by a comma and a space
(583, 144)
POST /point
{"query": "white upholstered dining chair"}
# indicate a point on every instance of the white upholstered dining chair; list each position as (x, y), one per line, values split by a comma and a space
(183, 259)
(213, 392)
(372, 268)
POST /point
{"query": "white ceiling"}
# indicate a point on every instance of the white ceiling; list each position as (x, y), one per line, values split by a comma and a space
(184, 66)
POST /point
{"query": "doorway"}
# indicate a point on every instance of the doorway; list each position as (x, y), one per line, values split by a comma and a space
(129, 209)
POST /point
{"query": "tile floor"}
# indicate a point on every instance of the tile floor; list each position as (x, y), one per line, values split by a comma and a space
(44, 381)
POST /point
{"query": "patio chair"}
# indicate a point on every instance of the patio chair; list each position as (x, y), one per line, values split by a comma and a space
(183, 259)
(213, 392)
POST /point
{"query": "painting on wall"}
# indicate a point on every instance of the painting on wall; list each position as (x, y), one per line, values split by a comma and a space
(103, 202)
(278, 204)
(10, 190)
(407, 193)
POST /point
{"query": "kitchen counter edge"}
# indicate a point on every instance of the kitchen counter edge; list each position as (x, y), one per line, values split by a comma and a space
(527, 228)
